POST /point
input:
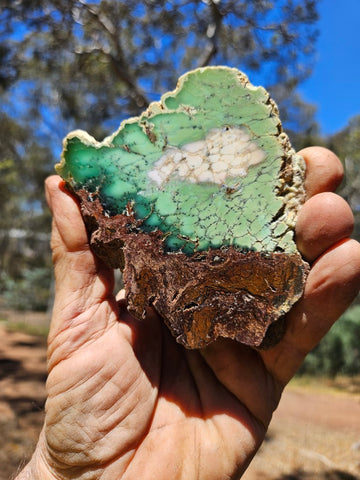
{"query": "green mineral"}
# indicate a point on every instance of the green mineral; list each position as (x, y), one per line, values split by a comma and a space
(204, 166)
(196, 200)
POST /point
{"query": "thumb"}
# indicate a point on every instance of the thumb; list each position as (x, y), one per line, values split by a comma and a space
(69, 233)
(82, 281)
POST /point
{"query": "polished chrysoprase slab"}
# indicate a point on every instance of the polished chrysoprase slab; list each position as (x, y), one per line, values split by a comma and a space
(196, 200)
(203, 166)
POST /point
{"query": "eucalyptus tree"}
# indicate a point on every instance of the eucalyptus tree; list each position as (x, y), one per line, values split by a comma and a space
(93, 63)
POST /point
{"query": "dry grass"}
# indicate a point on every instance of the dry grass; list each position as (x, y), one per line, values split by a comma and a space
(339, 385)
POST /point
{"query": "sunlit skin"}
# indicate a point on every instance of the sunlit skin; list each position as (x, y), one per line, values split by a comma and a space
(126, 402)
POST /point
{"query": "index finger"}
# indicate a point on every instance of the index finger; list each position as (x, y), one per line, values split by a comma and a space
(324, 170)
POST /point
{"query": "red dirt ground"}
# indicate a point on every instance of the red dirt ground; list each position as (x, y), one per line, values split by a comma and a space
(314, 435)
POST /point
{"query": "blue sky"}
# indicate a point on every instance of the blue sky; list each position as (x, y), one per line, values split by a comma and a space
(334, 86)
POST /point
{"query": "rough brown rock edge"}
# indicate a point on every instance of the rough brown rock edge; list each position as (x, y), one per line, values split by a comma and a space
(218, 293)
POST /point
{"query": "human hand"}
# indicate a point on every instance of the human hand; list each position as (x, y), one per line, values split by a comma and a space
(126, 401)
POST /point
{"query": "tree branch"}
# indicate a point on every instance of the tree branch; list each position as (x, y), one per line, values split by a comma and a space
(123, 74)
(212, 33)
(118, 63)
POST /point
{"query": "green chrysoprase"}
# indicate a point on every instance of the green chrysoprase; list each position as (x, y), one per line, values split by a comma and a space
(202, 166)
(196, 201)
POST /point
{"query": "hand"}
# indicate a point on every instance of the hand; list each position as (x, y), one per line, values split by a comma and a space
(126, 401)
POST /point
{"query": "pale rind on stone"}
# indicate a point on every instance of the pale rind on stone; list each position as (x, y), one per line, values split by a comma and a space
(155, 163)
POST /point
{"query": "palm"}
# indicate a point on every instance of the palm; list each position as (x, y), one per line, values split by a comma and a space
(146, 400)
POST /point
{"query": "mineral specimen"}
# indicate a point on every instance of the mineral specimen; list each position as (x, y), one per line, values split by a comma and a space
(196, 201)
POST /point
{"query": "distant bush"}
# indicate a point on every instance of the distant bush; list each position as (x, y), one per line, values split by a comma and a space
(339, 351)
(30, 292)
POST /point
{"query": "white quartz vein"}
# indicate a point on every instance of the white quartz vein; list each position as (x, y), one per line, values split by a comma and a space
(224, 153)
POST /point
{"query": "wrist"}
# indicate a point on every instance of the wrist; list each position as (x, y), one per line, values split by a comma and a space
(34, 471)
(37, 468)
(26, 473)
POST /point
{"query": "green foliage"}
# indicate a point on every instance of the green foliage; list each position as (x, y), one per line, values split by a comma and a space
(24, 220)
(24, 165)
(346, 144)
(92, 61)
(339, 351)
(30, 292)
